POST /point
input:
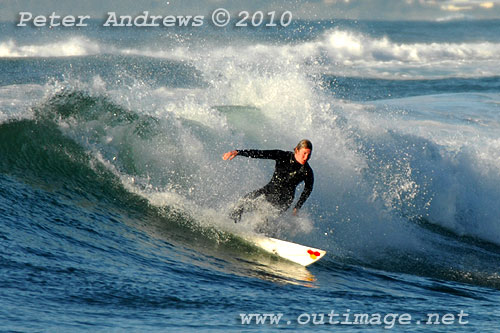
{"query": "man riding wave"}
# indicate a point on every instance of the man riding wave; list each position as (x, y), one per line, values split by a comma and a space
(291, 169)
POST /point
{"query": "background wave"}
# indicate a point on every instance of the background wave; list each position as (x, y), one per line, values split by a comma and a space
(348, 49)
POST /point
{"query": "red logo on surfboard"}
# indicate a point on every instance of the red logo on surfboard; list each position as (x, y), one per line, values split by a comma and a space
(313, 254)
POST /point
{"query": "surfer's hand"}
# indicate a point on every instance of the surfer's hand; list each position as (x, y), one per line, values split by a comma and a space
(295, 211)
(229, 155)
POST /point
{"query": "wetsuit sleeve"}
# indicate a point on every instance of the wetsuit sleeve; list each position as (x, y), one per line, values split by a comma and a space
(308, 187)
(264, 154)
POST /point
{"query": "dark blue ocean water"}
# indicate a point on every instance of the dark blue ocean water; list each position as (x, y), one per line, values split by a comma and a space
(114, 198)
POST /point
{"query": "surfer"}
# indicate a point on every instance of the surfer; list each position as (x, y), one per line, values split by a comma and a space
(291, 169)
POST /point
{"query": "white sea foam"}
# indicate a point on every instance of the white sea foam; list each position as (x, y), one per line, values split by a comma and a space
(74, 46)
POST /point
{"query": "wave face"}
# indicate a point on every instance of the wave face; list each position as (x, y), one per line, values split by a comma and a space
(114, 193)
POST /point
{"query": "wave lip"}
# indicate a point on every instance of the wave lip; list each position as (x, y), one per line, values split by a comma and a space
(74, 46)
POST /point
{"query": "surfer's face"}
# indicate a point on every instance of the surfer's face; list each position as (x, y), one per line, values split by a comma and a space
(302, 155)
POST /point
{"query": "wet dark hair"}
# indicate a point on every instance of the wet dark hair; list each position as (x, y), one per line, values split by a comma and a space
(304, 144)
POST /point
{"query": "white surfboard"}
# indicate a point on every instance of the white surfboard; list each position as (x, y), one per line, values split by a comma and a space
(300, 254)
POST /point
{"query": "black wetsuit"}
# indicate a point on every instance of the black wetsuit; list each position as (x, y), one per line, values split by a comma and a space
(280, 191)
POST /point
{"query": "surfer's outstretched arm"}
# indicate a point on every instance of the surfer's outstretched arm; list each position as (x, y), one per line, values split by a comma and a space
(254, 153)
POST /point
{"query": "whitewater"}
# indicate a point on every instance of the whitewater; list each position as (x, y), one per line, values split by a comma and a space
(114, 198)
